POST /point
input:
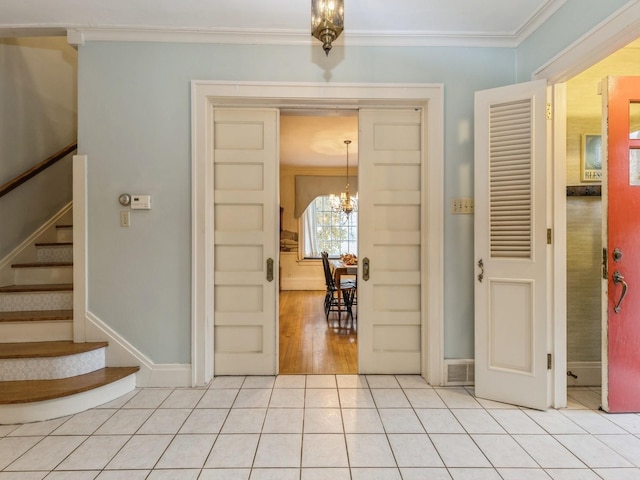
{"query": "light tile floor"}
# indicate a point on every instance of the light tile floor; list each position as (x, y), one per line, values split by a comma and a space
(318, 427)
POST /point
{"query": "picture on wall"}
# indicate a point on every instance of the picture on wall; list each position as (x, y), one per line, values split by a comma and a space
(591, 164)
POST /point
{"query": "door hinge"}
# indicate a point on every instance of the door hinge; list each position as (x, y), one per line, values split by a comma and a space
(605, 273)
(548, 236)
(549, 361)
(549, 111)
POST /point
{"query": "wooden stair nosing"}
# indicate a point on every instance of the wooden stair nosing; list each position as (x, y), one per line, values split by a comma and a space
(42, 264)
(54, 244)
(26, 391)
(44, 287)
(47, 349)
(36, 316)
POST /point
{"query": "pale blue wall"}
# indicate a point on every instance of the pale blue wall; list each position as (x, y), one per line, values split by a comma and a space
(134, 116)
(134, 111)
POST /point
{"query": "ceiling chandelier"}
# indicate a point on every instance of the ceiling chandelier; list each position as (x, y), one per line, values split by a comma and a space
(327, 21)
(345, 202)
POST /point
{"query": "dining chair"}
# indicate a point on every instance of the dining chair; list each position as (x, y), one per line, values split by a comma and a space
(332, 301)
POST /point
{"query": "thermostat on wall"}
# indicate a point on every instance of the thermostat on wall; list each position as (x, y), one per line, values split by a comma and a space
(141, 202)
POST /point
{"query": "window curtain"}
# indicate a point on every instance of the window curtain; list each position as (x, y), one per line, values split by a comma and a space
(308, 187)
(308, 223)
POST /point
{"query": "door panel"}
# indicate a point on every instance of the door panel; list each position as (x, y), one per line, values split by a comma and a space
(621, 233)
(510, 224)
(390, 302)
(245, 229)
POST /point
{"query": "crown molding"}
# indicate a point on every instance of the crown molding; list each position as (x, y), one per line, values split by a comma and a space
(80, 35)
(540, 17)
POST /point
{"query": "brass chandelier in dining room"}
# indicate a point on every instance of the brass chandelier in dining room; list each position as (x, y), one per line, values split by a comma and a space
(345, 203)
(327, 21)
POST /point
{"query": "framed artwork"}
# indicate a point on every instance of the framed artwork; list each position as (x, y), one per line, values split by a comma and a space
(591, 161)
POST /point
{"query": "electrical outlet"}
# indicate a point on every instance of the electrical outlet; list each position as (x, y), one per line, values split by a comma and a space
(125, 218)
(462, 205)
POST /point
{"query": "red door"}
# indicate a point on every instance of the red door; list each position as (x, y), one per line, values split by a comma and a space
(621, 218)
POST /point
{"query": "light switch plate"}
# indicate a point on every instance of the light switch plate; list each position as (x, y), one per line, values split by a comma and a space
(462, 206)
(141, 202)
(125, 218)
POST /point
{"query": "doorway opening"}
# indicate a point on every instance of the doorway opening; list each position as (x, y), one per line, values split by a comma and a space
(584, 224)
(424, 104)
(314, 339)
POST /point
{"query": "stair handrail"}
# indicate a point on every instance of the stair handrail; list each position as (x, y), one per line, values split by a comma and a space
(36, 169)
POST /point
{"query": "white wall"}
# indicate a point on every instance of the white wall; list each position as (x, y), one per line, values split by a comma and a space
(38, 86)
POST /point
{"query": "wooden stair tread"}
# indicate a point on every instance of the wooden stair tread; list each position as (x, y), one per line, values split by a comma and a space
(48, 287)
(46, 349)
(36, 316)
(42, 264)
(25, 391)
(54, 244)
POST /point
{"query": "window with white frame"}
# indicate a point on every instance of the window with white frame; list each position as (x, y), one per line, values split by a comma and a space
(325, 230)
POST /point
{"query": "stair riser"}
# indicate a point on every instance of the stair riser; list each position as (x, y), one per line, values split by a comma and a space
(64, 234)
(42, 275)
(18, 302)
(20, 332)
(48, 368)
(55, 254)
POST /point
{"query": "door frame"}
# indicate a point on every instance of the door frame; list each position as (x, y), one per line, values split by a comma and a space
(205, 95)
(615, 32)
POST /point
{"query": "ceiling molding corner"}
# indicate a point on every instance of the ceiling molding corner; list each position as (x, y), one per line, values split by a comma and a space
(538, 19)
(609, 36)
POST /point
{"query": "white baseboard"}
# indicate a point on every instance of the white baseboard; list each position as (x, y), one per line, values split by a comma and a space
(461, 372)
(121, 353)
(589, 374)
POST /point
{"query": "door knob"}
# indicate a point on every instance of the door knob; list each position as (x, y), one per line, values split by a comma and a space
(617, 280)
(617, 255)
(481, 274)
(270, 270)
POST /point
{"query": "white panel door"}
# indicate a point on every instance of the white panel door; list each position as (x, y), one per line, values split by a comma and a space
(390, 213)
(511, 306)
(245, 230)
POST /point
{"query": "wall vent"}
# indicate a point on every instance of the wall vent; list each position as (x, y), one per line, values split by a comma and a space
(459, 372)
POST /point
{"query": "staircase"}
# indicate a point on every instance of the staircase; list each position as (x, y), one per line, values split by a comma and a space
(43, 374)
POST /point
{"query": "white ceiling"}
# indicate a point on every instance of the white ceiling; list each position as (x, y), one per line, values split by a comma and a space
(372, 22)
(316, 139)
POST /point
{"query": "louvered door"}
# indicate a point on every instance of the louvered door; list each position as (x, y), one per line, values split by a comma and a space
(511, 245)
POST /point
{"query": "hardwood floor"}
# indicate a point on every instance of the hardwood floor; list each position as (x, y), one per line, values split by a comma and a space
(308, 344)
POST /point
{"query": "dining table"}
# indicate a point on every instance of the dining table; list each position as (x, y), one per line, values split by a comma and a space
(339, 268)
